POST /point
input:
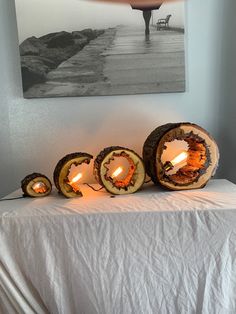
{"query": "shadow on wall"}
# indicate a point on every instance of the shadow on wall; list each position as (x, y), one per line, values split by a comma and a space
(227, 112)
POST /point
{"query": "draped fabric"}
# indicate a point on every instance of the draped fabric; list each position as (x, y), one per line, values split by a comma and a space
(151, 252)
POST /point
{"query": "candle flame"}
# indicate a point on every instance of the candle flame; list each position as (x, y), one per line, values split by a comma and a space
(76, 178)
(179, 158)
(117, 172)
(39, 187)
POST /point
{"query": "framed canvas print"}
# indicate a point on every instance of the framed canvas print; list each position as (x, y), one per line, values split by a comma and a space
(88, 48)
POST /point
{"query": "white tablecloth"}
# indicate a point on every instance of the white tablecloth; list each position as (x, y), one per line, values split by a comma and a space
(151, 252)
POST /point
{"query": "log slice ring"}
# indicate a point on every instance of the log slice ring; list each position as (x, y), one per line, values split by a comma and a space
(134, 178)
(30, 180)
(62, 169)
(202, 161)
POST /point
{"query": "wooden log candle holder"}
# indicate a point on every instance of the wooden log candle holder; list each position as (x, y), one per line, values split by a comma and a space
(67, 185)
(36, 185)
(119, 170)
(179, 168)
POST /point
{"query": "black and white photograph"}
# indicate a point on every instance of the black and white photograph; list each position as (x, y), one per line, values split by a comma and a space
(92, 48)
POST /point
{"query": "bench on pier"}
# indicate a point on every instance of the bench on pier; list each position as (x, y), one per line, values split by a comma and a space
(163, 23)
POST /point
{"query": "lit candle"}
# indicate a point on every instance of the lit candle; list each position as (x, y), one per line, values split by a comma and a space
(39, 187)
(177, 160)
(74, 182)
(118, 171)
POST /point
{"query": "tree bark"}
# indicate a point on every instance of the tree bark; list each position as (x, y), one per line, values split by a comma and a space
(202, 161)
(28, 182)
(136, 173)
(62, 171)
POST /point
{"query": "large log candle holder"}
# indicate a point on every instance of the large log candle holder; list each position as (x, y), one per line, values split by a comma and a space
(120, 170)
(66, 180)
(36, 185)
(180, 156)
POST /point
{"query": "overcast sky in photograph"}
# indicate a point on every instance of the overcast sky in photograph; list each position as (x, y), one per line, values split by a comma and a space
(40, 17)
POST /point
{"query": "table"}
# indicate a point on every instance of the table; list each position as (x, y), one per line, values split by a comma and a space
(155, 251)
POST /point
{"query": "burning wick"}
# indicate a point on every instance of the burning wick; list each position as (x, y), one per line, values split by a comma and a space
(117, 172)
(74, 182)
(39, 187)
(169, 165)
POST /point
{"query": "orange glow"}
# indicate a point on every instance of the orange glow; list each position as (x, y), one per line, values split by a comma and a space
(39, 187)
(179, 158)
(76, 178)
(117, 172)
(74, 182)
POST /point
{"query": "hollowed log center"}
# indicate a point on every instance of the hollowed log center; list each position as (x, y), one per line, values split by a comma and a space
(36, 185)
(69, 172)
(196, 145)
(120, 170)
(190, 169)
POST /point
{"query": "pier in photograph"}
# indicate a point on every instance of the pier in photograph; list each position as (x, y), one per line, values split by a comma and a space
(120, 61)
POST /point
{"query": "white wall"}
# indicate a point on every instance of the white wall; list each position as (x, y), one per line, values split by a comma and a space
(227, 116)
(36, 133)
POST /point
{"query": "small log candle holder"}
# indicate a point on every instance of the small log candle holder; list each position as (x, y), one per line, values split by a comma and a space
(36, 185)
(119, 170)
(69, 187)
(180, 156)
